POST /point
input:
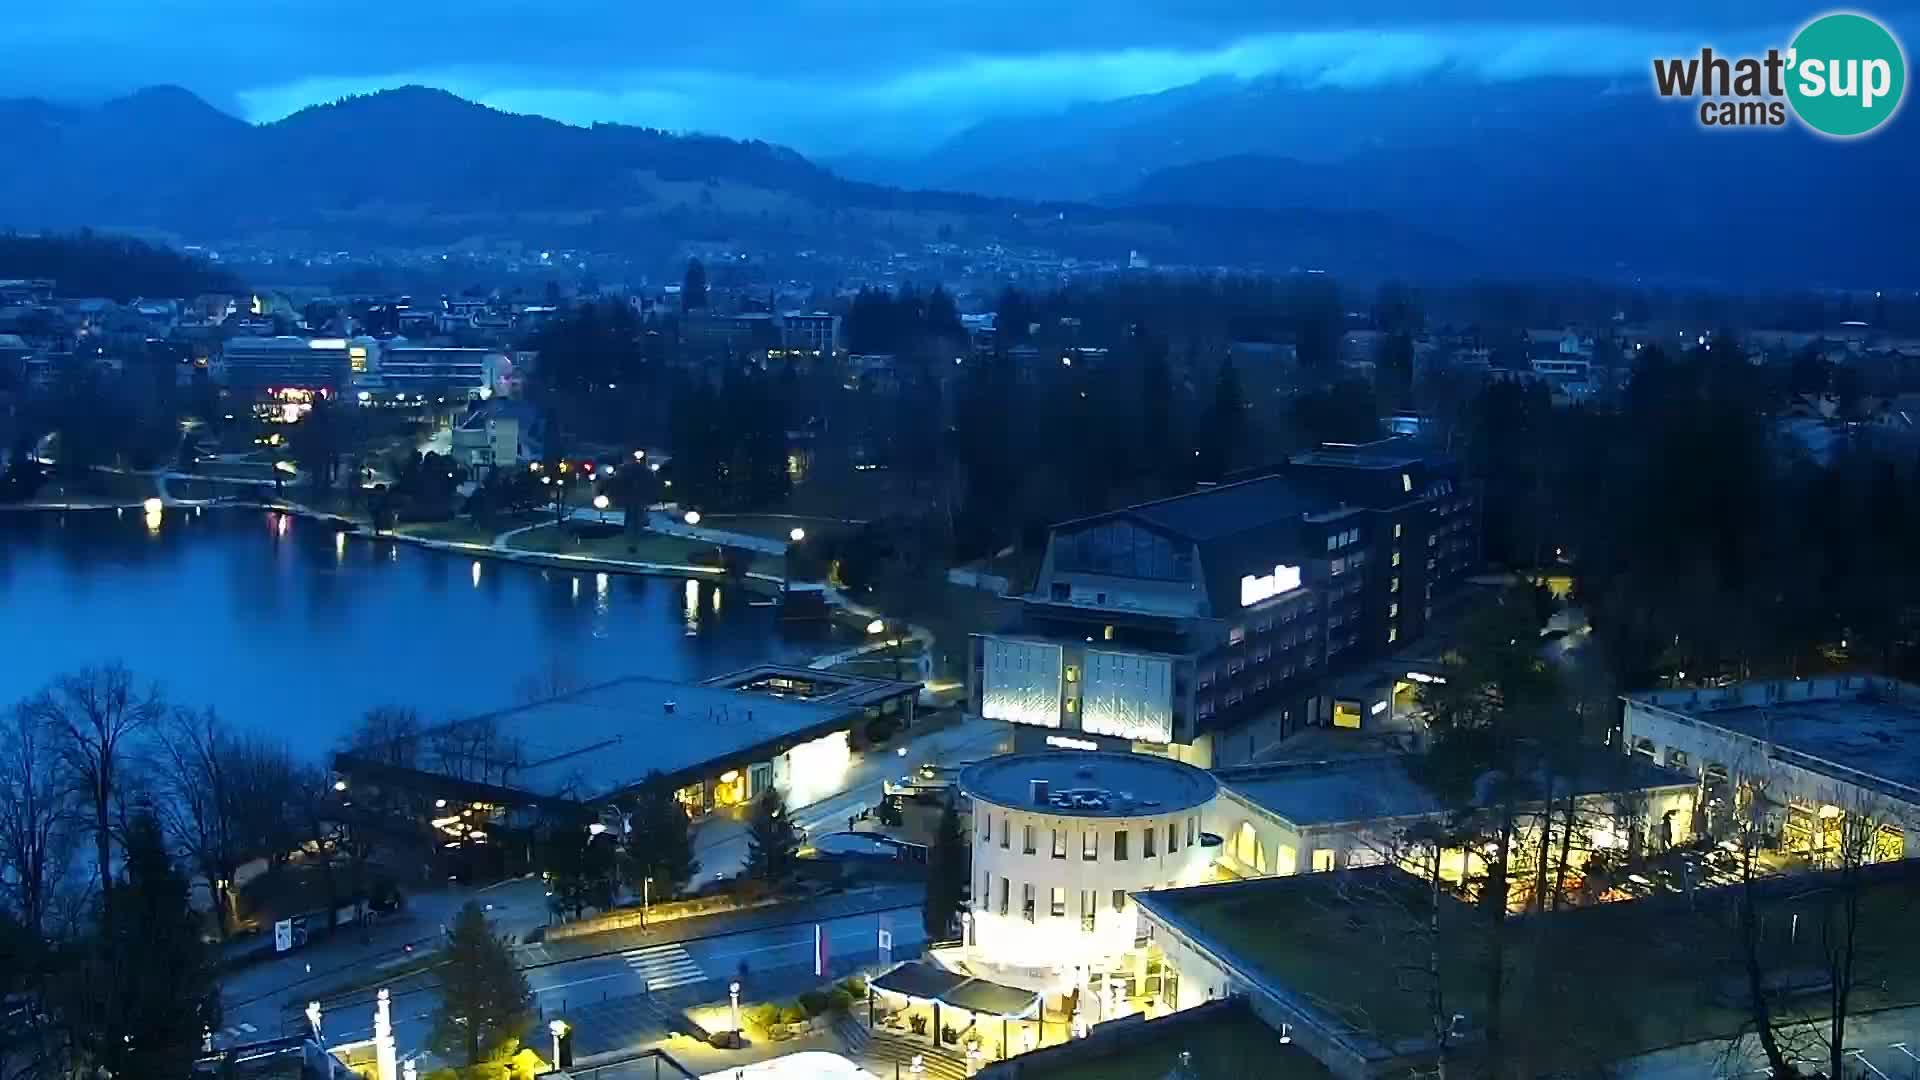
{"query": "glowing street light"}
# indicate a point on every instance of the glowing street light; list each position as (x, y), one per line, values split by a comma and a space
(733, 997)
(693, 517)
(559, 1029)
(798, 534)
(339, 785)
(600, 504)
(877, 626)
(639, 455)
(152, 506)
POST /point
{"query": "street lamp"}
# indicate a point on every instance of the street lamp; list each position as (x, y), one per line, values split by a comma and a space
(733, 998)
(693, 517)
(877, 626)
(558, 1028)
(313, 1019)
(600, 504)
(646, 901)
(798, 534)
(639, 455)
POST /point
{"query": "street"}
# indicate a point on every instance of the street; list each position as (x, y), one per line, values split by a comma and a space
(1882, 1046)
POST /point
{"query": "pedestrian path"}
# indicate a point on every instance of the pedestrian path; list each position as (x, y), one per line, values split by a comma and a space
(664, 966)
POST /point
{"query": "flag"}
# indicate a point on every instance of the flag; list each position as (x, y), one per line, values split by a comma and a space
(819, 951)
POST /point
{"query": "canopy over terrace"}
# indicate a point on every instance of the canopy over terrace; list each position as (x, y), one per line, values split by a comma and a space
(922, 982)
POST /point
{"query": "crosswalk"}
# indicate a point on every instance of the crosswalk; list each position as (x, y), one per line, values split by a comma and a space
(663, 966)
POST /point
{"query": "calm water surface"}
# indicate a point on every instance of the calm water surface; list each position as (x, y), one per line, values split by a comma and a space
(293, 630)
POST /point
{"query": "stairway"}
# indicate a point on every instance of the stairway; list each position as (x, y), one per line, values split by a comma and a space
(886, 1052)
(853, 1033)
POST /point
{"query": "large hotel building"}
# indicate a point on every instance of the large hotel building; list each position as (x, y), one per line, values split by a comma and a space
(1205, 626)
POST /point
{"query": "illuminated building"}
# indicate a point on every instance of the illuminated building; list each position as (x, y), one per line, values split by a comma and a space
(253, 366)
(720, 743)
(1203, 626)
(497, 433)
(1803, 758)
(433, 371)
(1060, 842)
(1300, 817)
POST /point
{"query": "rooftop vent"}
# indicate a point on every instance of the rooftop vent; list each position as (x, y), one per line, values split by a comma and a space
(1039, 792)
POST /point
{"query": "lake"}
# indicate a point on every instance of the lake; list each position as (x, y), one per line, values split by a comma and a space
(293, 630)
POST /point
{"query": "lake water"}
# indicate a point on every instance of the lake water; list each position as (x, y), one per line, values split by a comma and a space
(291, 629)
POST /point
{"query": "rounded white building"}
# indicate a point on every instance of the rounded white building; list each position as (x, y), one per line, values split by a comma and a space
(1059, 841)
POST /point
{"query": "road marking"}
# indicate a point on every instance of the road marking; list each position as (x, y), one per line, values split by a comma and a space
(664, 966)
(1862, 1059)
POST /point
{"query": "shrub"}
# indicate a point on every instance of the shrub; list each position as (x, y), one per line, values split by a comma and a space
(793, 1014)
(856, 985)
(761, 1017)
(839, 1000)
(813, 1003)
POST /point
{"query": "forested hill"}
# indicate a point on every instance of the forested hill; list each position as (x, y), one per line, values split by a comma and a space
(421, 167)
(119, 267)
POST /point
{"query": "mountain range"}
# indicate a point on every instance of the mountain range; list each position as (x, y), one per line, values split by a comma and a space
(417, 167)
(1445, 177)
(1575, 175)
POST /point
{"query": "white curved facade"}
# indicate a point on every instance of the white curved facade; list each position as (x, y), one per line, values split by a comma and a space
(1050, 879)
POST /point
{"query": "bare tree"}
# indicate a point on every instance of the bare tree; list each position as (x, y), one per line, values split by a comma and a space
(198, 759)
(38, 820)
(96, 717)
(388, 735)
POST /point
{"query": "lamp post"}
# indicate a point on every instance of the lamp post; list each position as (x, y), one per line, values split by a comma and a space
(646, 900)
(797, 534)
(557, 1028)
(733, 1000)
(313, 1019)
(600, 504)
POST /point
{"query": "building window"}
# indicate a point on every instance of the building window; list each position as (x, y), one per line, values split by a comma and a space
(1090, 846)
(1059, 843)
(1088, 902)
(1006, 832)
(1120, 845)
(1333, 541)
(1396, 530)
(1026, 901)
(986, 890)
(1395, 585)
(1147, 844)
(1396, 556)
(1236, 635)
(986, 828)
(1106, 633)
(1406, 482)
(1026, 839)
(1193, 825)
(1005, 885)
(1173, 837)
(1322, 860)
(1119, 899)
(1393, 634)
(1057, 903)
(1393, 610)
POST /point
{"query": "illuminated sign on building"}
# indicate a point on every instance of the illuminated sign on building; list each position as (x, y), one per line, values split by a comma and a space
(1253, 590)
(1067, 742)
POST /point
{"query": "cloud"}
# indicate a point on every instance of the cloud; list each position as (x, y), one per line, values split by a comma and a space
(831, 76)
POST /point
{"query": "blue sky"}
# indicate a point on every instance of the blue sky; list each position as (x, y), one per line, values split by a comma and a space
(829, 76)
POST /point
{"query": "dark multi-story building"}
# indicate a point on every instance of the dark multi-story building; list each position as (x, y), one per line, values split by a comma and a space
(1205, 626)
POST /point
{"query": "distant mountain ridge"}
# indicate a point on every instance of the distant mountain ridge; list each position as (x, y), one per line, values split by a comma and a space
(419, 166)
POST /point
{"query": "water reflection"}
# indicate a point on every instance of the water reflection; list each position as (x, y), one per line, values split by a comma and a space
(224, 615)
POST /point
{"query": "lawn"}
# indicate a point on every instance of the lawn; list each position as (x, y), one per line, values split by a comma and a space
(1595, 984)
(1232, 1046)
(99, 487)
(776, 526)
(463, 530)
(644, 547)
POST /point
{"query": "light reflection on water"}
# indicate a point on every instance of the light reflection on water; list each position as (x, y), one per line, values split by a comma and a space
(296, 629)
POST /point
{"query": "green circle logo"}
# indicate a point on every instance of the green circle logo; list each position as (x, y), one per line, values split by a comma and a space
(1846, 75)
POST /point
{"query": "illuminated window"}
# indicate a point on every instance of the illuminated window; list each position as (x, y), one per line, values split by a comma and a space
(1406, 481)
(1090, 846)
(1395, 586)
(1057, 902)
(1393, 610)
(1236, 635)
(1322, 860)
(1396, 530)
(1119, 899)
(1059, 843)
(1026, 839)
(1120, 846)
(1333, 541)
(1147, 846)
(1396, 556)
(1393, 634)
(1107, 633)
(1089, 903)
(1026, 901)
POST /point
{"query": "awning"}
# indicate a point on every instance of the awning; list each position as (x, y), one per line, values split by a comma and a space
(931, 982)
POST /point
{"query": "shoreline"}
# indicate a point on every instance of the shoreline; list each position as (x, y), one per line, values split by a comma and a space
(841, 609)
